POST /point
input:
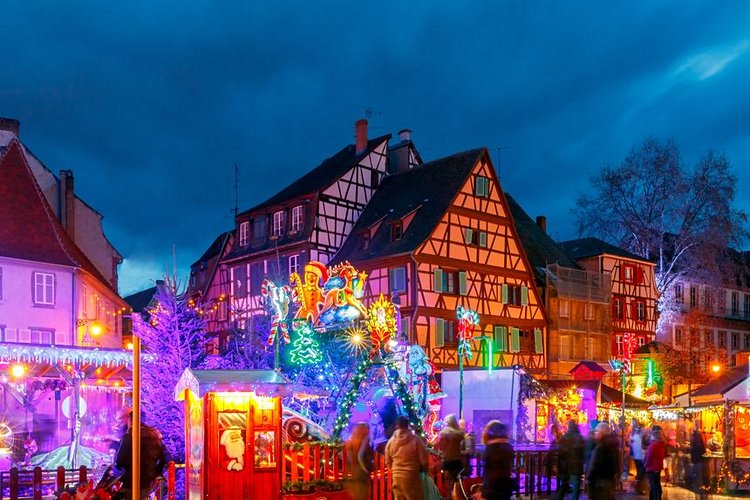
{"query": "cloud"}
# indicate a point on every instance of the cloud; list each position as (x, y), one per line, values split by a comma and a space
(710, 62)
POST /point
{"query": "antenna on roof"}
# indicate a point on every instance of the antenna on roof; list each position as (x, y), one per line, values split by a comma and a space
(499, 150)
(236, 186)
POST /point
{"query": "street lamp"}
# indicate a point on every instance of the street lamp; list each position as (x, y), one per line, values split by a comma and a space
(93, 329)
(716, 368)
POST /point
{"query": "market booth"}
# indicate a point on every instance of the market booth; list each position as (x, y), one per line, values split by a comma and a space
(233, 433)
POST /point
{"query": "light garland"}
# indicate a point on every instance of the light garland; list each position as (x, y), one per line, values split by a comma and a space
(65, 355)
(305, 350)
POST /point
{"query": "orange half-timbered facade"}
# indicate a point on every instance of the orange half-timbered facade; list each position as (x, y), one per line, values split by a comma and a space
(438, 236)
(634, 293)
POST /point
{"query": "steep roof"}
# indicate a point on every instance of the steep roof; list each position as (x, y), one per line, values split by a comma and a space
(540, 248)
(589, 247)
(29, 229)
(592, 366)
(723, 383)
(425, 191)
(139, 301)
(321, 176)
(214, 249)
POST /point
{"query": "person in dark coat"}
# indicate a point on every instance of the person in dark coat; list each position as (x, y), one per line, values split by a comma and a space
(570, 461)
(697, 460)
(497, 482)
(153, 458)
(605, 465)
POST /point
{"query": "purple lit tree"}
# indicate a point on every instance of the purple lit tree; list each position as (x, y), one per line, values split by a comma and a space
(682, 218)
(173, 336)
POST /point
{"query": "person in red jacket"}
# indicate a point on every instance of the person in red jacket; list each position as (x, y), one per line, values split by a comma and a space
(654, 462)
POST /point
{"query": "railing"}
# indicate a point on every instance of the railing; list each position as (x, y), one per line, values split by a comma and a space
(41, 483)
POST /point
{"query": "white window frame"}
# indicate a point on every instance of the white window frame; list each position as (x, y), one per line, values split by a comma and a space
(481, 186)
(564, 308)
(244, 233)
(44, 283)
(297, 218)
(278, 223)
(565, 348)
(39, 333)
(588, 311)
(640, 310)
(293, 264)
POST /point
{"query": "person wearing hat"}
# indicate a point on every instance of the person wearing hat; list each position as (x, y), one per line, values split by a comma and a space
(497, 483)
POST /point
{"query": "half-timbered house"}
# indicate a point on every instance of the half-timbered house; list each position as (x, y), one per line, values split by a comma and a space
(308, 220)
(634, 293)
(206, 290)
(441, 235)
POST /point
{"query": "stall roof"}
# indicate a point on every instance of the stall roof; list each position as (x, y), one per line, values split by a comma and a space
(613, 396)
(263, 382)
(716, 389)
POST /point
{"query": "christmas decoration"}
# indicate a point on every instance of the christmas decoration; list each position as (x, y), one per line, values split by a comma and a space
(306, 349)
(381, 323)
(65, 355)
(337, 301)
(467, 320)
(277, 299)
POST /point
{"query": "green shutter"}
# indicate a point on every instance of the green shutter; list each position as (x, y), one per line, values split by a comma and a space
(501, 339)
(505, 293)
(439, 332)
(515, 340)
(483, 239)
(538, 341)
(462, 282)
(468, 235)
(524, 296)
(438, 285)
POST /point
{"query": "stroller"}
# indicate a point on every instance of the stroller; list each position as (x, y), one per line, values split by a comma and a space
(467, 488)
(106, 489)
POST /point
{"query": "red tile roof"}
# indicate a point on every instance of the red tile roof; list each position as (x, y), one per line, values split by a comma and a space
(29, 229)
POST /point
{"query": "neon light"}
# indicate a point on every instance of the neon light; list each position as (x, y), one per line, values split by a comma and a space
(381, 322)
(467, 320)
(492, 358)
(650, 373)
(305, 348)
(278, 299)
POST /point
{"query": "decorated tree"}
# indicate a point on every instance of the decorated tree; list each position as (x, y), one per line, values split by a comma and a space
(657, 207)
(305, 348)
(247, 348)
(173, 338)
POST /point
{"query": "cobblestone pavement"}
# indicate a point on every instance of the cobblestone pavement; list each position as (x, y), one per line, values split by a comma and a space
(668, 493)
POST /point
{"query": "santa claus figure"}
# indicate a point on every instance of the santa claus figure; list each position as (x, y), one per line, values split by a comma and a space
(234, 449)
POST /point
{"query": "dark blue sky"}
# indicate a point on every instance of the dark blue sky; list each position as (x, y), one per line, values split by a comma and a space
(151, 102)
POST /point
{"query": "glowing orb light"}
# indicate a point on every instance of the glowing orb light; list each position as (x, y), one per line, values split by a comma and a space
(18, 371)
(96, 329)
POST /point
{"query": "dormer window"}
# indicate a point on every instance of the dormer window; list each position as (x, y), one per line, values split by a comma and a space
(244, 233)
(278, 223)
(397, 231)
(259, 228)
(374, 179)
(297, 213)
(481, 186)
(364, 240)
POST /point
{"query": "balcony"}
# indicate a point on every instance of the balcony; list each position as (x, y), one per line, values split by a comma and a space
(579, 284)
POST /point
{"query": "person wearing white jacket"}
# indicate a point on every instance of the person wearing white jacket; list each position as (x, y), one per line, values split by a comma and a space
(406, 457)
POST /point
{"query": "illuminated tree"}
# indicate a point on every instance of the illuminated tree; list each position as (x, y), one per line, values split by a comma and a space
(655, 206)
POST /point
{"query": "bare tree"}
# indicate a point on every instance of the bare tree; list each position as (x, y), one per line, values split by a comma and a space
(681, 218)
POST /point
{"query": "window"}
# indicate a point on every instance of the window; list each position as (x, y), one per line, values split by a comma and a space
(678, 337)
(678, 294)
(628, 273)
(44, 289)
(735, 303)
(735, 341)
(708, 299)
(564, 308)
(364, 240)
(565, 350)
(588, 311)
(445, 332)
(747, 297)
(397, 279)
(473, 237)
(297, 213)
(259, 228)
(709, 338)
(746, 342)
(722, 339)
(618, 340)
(515, 295)
(244, 233)
(278, 223)
(453, 282)
(374, 179)
(500, 338)
(222, 310)
(618, 308)
(42, 337)
(641, 341)
(481, 186)
(293, 264)
(640, 310)
(693, 296)
(397, 231)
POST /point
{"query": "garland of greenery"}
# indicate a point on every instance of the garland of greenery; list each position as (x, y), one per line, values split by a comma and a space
(336, 444)
(310, 486)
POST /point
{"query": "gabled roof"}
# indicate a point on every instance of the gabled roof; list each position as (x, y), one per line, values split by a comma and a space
(321, 176)
(540, 248)
(613, 396)
(426, 191)
(589, 247)
(139, 301)
(29, 229)
(723, 383)
(592, 366)
(215, 249)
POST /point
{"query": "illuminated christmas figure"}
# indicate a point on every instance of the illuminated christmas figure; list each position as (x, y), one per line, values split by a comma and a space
(381, 322)
(305, 350)
(278, 299)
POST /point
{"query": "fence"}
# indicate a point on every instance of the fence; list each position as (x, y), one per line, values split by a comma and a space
(39, 483)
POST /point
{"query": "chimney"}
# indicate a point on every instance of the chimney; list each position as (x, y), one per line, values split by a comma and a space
(11, 125)
(404, 135)
(67, 203)
(361, 136)
(541, 221)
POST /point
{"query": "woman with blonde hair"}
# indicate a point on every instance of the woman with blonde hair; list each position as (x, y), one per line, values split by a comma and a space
(359, 462)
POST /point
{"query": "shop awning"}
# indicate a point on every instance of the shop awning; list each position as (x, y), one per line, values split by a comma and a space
(610, 395)
(262, 382)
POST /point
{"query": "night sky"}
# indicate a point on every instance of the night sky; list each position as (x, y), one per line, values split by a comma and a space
(151, 103)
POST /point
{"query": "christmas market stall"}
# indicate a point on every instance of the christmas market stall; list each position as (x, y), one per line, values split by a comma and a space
(63, 405)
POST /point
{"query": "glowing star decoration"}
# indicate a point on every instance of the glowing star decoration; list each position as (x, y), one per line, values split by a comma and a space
(305, 349)
(381, 322)
(278, 299)
(467, 320)
(356, 340)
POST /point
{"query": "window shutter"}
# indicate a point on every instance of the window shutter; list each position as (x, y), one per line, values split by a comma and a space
(505, 293)
(538, 341)
(468, 235)
(515, 340)
(501, 339)
(482, 239)
(462, 282)
(24, 335)
(524, 296)
(11, 335)
(439, 332)
(438, 284)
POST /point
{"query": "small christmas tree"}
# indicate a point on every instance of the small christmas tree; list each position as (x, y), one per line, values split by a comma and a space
(305, 348)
